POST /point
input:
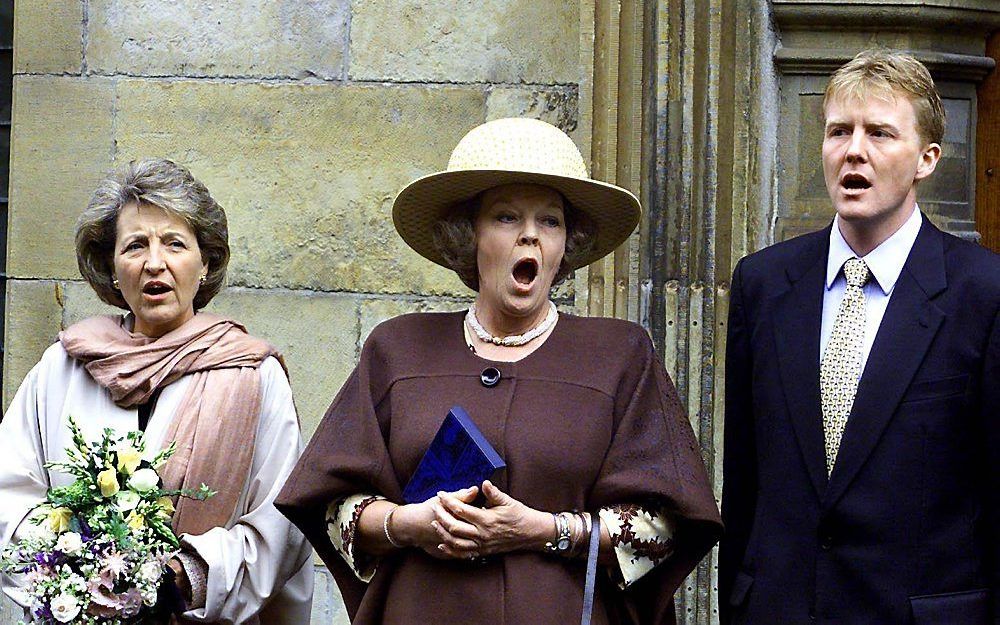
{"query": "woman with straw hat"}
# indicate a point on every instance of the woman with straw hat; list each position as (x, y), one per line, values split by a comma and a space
(597, 448)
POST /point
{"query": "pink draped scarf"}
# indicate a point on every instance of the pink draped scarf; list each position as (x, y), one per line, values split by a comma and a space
(215, 425)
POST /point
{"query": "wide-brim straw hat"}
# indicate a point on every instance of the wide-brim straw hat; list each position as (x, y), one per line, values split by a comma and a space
(514, 151)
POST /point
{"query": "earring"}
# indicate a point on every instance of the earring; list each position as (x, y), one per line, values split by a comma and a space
(203, 277)
(114, 283)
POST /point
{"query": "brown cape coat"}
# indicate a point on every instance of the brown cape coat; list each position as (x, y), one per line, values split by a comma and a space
(587, 420)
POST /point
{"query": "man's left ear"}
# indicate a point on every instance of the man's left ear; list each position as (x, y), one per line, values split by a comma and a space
(928, 161)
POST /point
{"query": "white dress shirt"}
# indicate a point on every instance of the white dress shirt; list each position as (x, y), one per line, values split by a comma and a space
(885, 263)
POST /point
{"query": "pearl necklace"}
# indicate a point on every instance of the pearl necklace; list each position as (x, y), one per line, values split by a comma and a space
(515, 340)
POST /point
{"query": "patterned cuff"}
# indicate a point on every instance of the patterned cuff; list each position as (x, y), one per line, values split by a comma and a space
(341, 526)
(196, 570)
(642, 536)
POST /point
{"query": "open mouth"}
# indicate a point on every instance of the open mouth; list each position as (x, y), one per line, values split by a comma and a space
(855, 182)
(525, 271)
(155, 288)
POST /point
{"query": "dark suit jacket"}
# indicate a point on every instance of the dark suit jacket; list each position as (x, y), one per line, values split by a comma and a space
(907, 528)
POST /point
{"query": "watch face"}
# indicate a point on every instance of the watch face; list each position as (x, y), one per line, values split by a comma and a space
(563, 544)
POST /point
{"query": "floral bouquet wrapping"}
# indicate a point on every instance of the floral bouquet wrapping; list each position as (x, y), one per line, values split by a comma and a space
(96, 550)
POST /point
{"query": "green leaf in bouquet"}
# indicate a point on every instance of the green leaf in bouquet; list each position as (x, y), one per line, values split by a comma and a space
(163, 455)
(79, 469)
(116, 527)
(161, 529)
(76, 496)
(204, 492)
(201, 493)
(79, 442)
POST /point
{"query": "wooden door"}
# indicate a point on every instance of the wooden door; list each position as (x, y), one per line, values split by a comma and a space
(988, 153)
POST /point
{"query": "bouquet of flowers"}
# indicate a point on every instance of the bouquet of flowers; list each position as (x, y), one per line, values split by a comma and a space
(96, 550)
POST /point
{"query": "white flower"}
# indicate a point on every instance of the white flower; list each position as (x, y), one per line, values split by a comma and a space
(65, 608)
(38, 574)
(143, 480)
(76, 582)
(127, 500)
(116, 563)
(151, 571)
(149, 596)
(39, 531)
(69, 542)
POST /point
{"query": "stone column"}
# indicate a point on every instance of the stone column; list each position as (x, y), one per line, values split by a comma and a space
(616, 148)
(710, 128)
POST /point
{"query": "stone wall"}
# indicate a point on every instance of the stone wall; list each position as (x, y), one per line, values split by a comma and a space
(303, 118)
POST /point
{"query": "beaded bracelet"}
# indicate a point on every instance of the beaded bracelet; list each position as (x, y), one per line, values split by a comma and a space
(385, 528)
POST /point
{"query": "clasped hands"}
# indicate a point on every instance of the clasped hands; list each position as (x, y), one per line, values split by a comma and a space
(447, 526)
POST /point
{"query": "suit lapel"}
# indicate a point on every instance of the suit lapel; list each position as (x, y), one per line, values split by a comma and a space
(797, 321)
(909, 325)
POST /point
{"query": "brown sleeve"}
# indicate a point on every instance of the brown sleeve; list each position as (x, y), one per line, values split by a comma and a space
(654, 457)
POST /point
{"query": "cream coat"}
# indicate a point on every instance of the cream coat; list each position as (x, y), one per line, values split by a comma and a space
(258, 558)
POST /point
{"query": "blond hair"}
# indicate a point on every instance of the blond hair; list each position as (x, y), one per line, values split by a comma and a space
(886, 74)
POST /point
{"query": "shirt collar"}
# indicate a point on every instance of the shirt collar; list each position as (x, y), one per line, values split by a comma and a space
(885, 261)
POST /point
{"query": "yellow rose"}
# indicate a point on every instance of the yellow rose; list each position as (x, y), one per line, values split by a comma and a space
(166, 506)
(136, 521)
(59, 519)
(108, 481)
(128, 459)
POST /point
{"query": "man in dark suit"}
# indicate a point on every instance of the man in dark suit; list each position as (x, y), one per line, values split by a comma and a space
(862, 450)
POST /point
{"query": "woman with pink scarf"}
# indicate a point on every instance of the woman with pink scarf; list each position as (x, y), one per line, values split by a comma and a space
(155, 243)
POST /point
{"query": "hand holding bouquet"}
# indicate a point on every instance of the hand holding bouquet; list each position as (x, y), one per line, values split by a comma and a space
(96, 550)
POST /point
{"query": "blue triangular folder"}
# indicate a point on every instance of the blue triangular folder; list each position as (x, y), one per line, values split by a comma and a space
(458, 457)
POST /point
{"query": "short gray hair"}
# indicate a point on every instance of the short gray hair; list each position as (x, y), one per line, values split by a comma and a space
(166, 185)
(455, 240)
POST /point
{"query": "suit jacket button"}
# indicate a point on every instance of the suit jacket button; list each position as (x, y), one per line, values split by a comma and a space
(826, 542)
(490, 377)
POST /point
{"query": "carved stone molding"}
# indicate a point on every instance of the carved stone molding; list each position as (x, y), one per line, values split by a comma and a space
(976, 18)
(963, 67)
(949, 36)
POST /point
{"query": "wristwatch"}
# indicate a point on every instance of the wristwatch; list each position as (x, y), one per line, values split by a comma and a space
(561, 543)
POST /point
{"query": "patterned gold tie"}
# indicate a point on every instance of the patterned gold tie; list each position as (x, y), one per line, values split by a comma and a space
(841, 365)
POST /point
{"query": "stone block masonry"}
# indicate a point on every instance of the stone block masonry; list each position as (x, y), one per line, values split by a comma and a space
(304, 118)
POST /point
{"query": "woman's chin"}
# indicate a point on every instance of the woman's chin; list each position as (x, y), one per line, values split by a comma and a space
(523, 305)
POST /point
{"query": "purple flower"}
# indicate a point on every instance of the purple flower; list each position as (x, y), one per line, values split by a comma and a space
(52, 559)
(85, 532)
(43, 612)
